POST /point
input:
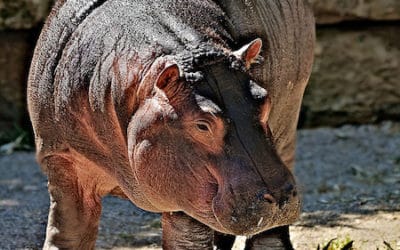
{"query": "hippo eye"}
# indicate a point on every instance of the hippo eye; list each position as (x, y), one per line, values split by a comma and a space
(203, 126)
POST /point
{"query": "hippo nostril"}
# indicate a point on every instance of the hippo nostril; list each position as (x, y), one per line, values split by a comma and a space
(265, 195)
(269, 198)
(281, 198)
(288, 188)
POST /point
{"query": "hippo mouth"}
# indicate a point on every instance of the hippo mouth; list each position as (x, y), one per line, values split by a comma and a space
(252, 218)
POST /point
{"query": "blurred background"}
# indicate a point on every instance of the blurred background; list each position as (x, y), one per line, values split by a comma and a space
(355, 79)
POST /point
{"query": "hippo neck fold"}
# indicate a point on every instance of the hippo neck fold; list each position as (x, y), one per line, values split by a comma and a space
(85, 10)
(193, 61)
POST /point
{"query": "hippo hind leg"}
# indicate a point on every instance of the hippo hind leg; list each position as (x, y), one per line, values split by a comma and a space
(74, 209)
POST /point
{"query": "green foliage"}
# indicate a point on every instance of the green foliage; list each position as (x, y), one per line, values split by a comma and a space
(388, 246)
(397, 160)
(156, 224)
(338, 244)
(15, 139)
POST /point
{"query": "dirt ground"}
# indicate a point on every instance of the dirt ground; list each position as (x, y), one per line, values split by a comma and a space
(349, 176)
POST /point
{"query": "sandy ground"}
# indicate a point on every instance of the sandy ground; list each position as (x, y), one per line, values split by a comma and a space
(349, 176)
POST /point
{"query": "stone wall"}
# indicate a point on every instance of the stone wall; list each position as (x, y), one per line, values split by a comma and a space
(356, 76)
(23, 14)
(334, 11)
(15, 53)
(19, 27)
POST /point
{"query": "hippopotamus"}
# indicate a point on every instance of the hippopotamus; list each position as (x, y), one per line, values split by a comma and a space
(186, 108)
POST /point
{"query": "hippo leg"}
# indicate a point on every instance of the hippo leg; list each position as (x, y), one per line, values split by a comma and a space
(223, 241)
(181, 231)
(277, 239)
(74, 209)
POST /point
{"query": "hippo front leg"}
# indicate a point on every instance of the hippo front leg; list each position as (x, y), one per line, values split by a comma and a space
(274, 239)
(74, 208)
(181, 232)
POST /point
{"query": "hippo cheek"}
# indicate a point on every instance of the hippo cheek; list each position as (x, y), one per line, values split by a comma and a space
(173, 183)
(151, 176)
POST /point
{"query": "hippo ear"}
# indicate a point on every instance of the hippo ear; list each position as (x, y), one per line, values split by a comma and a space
(265, 111)
(169, 81)
(250, 52)
(169, 75)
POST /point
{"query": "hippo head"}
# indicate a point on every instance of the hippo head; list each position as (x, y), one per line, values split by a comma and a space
(205, 148)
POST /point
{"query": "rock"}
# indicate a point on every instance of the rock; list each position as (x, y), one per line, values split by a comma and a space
(16, 51)
(23, 14)
(356, 76)
(333, 11)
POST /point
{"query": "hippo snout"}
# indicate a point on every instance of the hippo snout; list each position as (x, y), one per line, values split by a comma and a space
(246, 205)
(255, 213)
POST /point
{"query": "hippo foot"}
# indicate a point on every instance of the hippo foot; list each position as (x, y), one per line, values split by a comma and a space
(275, 239)
(181, 231)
